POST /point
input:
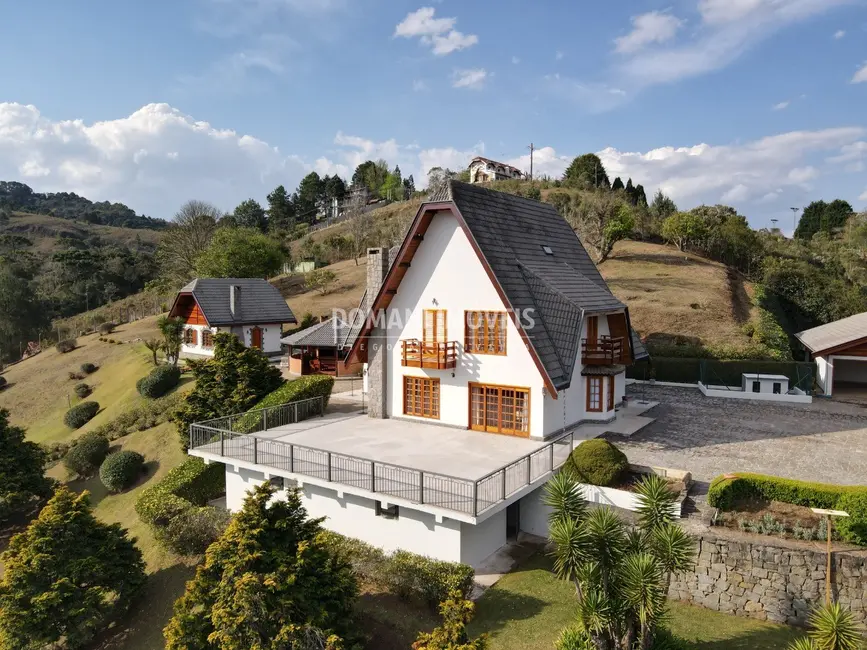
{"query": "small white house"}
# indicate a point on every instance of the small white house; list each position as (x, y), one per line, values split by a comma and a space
(250, 308)
(766, 384)
(840, 352)
(484, 169)
(488, 337)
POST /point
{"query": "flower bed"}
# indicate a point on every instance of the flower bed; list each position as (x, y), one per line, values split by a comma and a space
(623, 495)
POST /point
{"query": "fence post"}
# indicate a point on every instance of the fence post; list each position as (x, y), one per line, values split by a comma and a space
(329, 467)
(421, 487)
(295, 409)
(504, 482)
(551, 447)
(475, 498)
(292, 458)
(222, 443)
(255, 450)
(529, 471)
(264, 419)
(372, 476)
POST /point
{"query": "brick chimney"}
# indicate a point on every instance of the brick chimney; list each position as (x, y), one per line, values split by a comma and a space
(377, 357)
(235, 300)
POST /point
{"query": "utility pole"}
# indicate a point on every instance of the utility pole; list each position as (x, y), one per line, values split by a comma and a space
(532, 149)
(794, 220)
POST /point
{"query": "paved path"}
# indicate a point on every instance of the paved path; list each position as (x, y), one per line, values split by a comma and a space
(824, 441)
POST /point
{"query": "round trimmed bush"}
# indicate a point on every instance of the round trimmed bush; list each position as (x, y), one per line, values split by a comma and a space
(87, 455)
(3, 382)
(80, 414)
(193, 530)
(107, 328)
(65, 346)
(82, 390)
(119, 471)
(88, 368)
(853, 528)
(159, 382)
(598, 462)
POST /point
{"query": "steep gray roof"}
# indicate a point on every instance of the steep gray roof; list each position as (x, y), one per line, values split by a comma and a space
(261, 302)
(561, 287)
(832, 335)
(329, 333)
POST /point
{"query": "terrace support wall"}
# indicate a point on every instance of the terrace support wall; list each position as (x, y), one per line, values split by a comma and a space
(771, 579)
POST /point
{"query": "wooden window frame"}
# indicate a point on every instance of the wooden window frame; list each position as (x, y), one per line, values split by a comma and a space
(483, 336)
(610, 400)
(438, 337)
(207, 339)
(409, 409)
(191, 336)
(591, 381)
(499, 430)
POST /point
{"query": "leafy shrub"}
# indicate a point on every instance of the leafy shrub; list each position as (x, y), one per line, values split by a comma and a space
(853, 528)
(120, 470)
(82, 390)
(88, 368)
(80, 414)
(3, 382)
(67, 345)
(22, 470)
(160, 381)
(140, 417)
(75, 376)
(402, 572)
(727, 490)
(291, 391)
(597, 462)
(110, 341)
(107, 328)
(193, 530)
(185, 490)
(87, 455)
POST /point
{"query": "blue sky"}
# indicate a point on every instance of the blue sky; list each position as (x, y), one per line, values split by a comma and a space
(761, 104)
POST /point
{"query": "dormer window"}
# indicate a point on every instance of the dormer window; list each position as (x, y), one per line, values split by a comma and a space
(547, 250)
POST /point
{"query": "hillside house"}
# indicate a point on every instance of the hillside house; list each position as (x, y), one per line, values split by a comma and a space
(488, 336)
(483, 170)
(840, 352)
(250, 308)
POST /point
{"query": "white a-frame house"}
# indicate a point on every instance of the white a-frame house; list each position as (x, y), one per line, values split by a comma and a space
(488, 336)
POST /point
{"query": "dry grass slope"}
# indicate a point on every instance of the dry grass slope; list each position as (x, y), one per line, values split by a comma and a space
(44, 230)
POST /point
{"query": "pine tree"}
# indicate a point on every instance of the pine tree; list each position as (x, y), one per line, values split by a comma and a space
(270, 582)
(587, 171)
(281, 211)
(617, 184)
(640, 196)
(22, 463)
(630, 192)
(66, 577)
(250, 214)
(452, 634)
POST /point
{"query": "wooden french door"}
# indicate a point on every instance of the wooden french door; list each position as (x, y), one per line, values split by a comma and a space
(610, 393)
(594, 394)
(592, 329)
(435, 330)
(256, 338)
(500, 409)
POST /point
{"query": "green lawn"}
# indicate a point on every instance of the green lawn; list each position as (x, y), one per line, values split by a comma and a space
(527, 609)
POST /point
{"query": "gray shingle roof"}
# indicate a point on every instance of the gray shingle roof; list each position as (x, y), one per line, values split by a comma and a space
(512, 233)
(832, 335)
(260, 302)
(329, 333)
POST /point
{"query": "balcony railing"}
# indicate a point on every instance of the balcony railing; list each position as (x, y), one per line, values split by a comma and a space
(418, 354)
(472, 497)
(602, 352)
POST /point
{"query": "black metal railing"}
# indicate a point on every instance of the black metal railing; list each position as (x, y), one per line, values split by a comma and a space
(463, 495)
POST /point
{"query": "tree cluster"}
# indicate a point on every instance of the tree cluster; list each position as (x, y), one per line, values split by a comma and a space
(67, 205)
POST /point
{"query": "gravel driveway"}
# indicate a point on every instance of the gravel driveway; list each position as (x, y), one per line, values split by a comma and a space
(824, 441)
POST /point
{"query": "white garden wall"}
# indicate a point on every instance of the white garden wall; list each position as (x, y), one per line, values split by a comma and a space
(735, 392)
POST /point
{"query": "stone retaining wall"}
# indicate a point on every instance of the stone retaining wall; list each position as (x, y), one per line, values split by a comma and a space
(771, 579)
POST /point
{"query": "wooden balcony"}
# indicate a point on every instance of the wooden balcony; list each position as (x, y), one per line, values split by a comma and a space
(441, 356)
(603, 352)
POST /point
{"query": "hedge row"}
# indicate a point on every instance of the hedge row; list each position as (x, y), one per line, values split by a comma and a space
(159, 382)
(176, 507)
(403, 573)
(291, 391)
(727, 490)
(719, 372)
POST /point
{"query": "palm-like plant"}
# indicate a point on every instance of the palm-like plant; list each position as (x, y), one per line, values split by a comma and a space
(621, 576)
(154, 346)
(172, 330)
(831, 628)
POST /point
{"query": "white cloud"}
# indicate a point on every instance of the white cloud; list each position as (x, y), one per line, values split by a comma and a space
(840, 33)
(546, 162)
(863, 197)
(861, 75)
(781, 106)
(653, 27)
(594, 97)
(420, 86)
(472, 78)
(727, 29)
(438, 33)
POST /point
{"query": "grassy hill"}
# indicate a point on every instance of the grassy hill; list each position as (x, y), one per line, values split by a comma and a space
(44, 231)
(672, 296)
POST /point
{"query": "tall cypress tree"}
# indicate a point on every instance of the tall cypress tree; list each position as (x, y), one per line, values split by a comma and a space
(617, 184)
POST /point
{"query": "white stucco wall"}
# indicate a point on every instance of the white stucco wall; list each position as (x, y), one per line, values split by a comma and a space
(447, 274)
(355, 516)
(271, 334)
(478, 541)
(534, 513)
(824, 374)
(198, 349)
